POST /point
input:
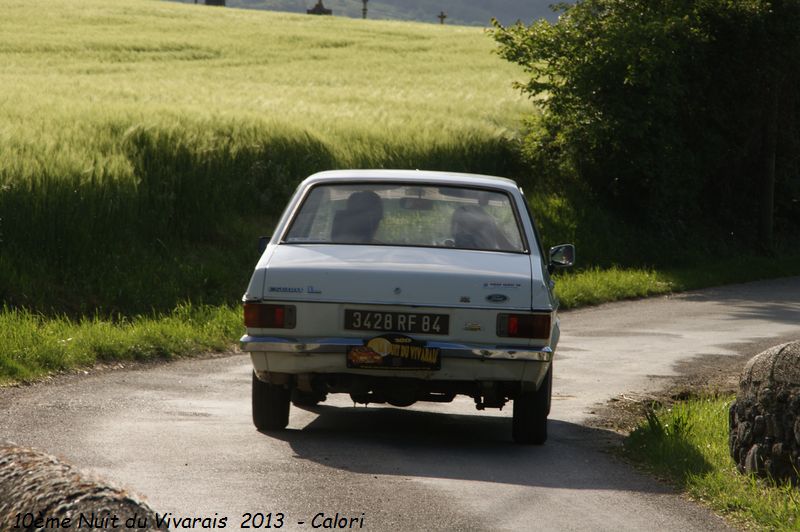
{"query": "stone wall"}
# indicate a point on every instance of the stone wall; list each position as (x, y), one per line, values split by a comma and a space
(37, 490)
(764, 436)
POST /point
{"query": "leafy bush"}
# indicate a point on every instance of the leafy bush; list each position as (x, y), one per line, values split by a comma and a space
(673, 112)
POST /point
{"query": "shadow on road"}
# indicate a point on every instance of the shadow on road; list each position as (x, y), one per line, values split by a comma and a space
(389, 441)
(750, 301)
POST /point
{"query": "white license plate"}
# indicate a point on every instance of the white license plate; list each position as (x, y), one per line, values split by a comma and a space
(399, 322)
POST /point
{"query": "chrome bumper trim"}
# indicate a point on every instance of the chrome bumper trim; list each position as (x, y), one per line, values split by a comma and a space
(339, 346)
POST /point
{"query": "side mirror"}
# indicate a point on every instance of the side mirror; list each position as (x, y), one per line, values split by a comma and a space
(561, 256)
(262, 243)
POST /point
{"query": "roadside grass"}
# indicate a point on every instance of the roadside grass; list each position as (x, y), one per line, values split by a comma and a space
(687, 444)
(33, 345)
(596, 285)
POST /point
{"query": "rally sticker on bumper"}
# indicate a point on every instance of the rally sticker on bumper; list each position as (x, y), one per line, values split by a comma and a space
(393, 351)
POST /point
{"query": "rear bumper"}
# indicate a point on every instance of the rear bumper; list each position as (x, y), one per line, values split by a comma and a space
(335, 346)
(460, 362)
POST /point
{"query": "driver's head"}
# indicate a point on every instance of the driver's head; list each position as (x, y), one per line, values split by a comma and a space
(368, 207)
(358, 221)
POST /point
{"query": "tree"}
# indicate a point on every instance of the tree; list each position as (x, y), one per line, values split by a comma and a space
(675, 112)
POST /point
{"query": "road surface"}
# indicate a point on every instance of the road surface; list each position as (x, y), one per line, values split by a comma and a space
(180, 434)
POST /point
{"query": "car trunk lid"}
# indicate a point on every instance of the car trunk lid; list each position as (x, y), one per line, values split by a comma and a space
(394, 275)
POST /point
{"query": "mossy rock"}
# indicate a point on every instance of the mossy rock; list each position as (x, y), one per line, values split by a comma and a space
(36, 485)
(764, 437)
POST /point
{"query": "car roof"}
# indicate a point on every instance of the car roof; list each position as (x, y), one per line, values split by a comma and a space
(420, 176)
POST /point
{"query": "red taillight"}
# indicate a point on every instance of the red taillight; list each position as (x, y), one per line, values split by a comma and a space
(269, 316)
(279, 317)
(523, 325)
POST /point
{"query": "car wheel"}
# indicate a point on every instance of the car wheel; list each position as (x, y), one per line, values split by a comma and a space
(307, 398)
(531, 409)
(270, 405)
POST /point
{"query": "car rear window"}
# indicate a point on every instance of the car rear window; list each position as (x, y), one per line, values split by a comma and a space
(407, 215)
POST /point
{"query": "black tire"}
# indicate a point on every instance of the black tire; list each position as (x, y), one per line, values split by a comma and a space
(270, 405)
(529, 425)
(307, 398)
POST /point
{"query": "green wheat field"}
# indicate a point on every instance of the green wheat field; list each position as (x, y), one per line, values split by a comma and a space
(139, 127)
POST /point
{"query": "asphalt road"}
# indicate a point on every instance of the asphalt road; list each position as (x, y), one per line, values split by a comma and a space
(180, 434)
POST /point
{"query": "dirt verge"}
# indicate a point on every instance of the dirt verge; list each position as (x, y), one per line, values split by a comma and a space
(708, 374)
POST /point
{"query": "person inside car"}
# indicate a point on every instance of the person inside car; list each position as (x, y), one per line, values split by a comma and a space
(474, 228)
(359, 220)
